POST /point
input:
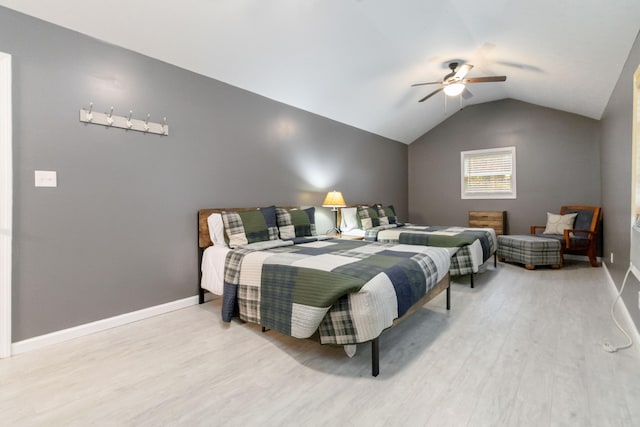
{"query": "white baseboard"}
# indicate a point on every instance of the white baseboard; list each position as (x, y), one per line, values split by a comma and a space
(101, 325)
(632, 330)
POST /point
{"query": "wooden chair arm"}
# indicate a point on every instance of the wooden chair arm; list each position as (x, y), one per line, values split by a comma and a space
(567, 237)
(535, 227)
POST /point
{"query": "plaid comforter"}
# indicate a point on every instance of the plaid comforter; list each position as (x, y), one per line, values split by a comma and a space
(475, 245)
(350, 291)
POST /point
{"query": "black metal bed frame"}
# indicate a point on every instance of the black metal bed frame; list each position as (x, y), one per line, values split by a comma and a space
(375, 343)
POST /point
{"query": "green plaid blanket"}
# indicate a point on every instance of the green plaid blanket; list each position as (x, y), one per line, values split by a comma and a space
(350, 291)
(475, 245)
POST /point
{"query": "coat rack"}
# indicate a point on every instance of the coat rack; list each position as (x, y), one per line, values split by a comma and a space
(122, 122)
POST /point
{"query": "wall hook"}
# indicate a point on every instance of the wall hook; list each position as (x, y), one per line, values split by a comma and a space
(146, 123)
(90, 114)
(110, 117)
(127, 122)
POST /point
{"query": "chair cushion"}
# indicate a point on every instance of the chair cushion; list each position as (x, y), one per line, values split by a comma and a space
(558, 237)
(583, 220)
(556, 224)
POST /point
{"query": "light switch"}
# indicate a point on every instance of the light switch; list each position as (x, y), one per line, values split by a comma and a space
(46, 179)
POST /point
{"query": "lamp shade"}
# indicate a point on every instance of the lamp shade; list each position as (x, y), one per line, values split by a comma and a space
(454, 89)
(334, 199)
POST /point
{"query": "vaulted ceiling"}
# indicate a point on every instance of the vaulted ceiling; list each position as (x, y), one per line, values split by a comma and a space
(354, 61)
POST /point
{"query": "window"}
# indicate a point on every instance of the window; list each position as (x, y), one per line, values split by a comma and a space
(635, 144)
(488, 174)
(634, 252)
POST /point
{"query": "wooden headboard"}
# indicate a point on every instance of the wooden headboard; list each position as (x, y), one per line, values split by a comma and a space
(204, 240)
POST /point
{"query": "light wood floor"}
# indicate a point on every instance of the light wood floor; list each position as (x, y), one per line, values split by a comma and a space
(521, 349)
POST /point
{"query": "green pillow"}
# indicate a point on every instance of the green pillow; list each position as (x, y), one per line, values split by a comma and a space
(296, 222)
(387, 212)
(242, 228)
(367, 217)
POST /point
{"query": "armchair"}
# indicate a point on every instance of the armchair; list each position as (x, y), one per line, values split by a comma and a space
(582, 239)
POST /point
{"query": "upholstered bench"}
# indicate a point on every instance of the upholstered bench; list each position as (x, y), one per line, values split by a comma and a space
(530, 251)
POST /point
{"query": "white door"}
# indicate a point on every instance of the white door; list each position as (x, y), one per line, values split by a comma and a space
(6, 204)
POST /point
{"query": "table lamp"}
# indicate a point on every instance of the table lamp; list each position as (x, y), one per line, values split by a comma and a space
(334, 200)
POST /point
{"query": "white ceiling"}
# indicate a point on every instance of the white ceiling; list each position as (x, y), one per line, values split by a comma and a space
(354, 60)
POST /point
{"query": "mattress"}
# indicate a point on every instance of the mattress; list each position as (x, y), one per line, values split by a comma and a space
(213, 269)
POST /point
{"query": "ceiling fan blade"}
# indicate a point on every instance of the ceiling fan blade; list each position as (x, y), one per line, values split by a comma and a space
(431, 94)
(428, 83)
(485, 79)
(462, 71)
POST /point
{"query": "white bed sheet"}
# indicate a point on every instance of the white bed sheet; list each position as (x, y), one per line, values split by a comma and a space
(213, 268)
(355, 232)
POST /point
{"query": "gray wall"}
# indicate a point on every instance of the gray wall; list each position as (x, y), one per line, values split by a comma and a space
(617, 125)
(557, 163)
(119, 232)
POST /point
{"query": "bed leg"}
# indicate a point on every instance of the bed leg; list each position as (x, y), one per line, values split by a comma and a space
(495, 260)
(471, 279)
(449, 297)
(200, 289)
(375, 357)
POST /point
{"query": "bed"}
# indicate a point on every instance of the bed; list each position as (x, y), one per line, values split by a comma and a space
(471, 247)
(346, 291)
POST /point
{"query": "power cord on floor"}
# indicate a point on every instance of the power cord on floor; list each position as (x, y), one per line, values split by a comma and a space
(606, 346)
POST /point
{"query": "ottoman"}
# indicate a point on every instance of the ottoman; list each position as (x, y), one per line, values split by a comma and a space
(530, 251)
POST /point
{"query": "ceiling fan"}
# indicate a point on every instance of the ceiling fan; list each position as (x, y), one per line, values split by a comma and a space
(454, 82)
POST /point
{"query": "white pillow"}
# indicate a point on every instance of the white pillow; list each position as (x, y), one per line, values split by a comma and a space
(556, 224)
(349, 219)
(216, 229)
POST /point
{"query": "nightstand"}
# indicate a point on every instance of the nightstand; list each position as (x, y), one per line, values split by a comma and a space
(491, 219)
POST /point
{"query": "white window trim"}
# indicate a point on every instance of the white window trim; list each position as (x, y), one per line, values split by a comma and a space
(502, 195)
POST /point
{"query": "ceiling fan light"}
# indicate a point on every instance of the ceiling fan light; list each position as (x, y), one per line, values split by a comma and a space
(454, 89)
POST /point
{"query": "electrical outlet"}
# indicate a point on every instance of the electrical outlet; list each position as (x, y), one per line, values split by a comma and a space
(46, 179)
(611, 257)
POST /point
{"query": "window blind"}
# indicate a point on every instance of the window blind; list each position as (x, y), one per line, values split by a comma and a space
(488, 173)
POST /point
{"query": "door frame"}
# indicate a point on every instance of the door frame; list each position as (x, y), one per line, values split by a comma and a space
(6, 203)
